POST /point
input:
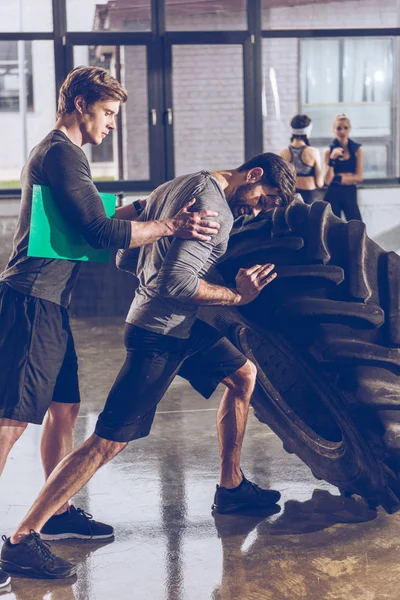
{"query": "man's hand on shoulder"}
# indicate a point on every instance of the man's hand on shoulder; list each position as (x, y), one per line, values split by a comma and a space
(194, 225)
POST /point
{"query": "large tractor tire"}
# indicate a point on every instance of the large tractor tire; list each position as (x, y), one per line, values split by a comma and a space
(325, 337)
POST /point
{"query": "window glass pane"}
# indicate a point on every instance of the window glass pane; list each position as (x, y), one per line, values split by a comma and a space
(325, 77)
(13, 90)
(27, 103)
(125, 153)
(193, 15)
(328, 14)
(208, 107)
(114, 15)
(280, 91)
(319, 71)
(368, 85)
(375, 160)
(26, 15)
(362, 69)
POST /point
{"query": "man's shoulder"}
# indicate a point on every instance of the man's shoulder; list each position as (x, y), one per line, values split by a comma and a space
(57, 146)
(193, 182)
(174, 194)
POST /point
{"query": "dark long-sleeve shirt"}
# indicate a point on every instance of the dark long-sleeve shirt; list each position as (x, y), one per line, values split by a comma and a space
(169, 271)
(60, 164)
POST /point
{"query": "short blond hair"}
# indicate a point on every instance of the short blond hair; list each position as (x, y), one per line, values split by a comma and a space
(341, 117)
(94, 84)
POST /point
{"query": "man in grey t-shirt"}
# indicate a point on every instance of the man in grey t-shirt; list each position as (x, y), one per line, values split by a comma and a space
(163, 338)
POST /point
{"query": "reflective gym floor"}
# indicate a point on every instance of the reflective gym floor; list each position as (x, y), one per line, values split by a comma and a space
(158, 493)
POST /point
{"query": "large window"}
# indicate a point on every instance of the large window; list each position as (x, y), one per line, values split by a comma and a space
(125, 153)
(30, 80)
(328, 76)
(352, 76)
(210, 82)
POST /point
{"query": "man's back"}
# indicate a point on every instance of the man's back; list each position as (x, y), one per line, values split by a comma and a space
(169, 270)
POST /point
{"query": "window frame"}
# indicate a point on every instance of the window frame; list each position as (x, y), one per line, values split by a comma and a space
(157, 41)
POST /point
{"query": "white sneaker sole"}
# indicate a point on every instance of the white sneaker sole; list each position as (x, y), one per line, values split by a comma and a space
(5, 583)
(73, 536)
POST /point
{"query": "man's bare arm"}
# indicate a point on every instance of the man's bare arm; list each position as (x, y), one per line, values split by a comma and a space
(249, 283)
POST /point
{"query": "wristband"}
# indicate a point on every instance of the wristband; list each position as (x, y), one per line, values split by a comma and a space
(332, 162)
(337, 179)
(137, 206)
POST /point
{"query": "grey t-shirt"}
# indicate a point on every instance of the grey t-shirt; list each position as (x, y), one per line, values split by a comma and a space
(60, 164)
(169, 271)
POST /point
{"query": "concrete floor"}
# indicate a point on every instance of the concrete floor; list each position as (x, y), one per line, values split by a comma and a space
(158, 492)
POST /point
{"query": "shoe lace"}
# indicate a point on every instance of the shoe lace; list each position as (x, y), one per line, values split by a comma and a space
(88, 518)
(87, 515)
(42, 547)
(255, 487)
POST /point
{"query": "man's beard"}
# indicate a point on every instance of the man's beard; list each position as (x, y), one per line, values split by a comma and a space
(238, 203)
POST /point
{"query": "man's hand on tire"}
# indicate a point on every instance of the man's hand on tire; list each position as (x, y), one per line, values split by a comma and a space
(250, 282)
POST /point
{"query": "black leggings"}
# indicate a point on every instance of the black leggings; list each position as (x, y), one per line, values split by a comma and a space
(307, 195)
(343, 198)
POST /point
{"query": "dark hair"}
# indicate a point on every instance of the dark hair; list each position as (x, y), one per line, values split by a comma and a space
(277, 173)
(94, 84)
(299, 122)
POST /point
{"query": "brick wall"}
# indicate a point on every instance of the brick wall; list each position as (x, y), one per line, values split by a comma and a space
(208, 107)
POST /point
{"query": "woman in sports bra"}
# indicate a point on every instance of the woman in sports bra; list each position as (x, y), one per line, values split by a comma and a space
(304, 158)
(343, 170)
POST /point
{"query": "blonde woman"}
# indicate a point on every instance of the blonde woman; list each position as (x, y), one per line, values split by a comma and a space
(343, 170)
(304, 158)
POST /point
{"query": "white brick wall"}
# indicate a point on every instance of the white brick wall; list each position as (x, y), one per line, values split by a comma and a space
(208, 107)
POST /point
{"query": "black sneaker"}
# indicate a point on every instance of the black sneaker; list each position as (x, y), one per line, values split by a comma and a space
(32, 557)
(75, 523)
(4, 578)
(247, 495)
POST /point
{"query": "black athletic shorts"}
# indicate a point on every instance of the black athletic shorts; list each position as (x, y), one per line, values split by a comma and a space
(38, 362)
(152, 361)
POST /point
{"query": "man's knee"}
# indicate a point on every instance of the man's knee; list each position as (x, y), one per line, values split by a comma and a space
(10, 432)
(63, 413)
(243, 379)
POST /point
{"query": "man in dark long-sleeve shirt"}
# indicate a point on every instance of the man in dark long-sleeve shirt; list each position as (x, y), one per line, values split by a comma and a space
(38, 363)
